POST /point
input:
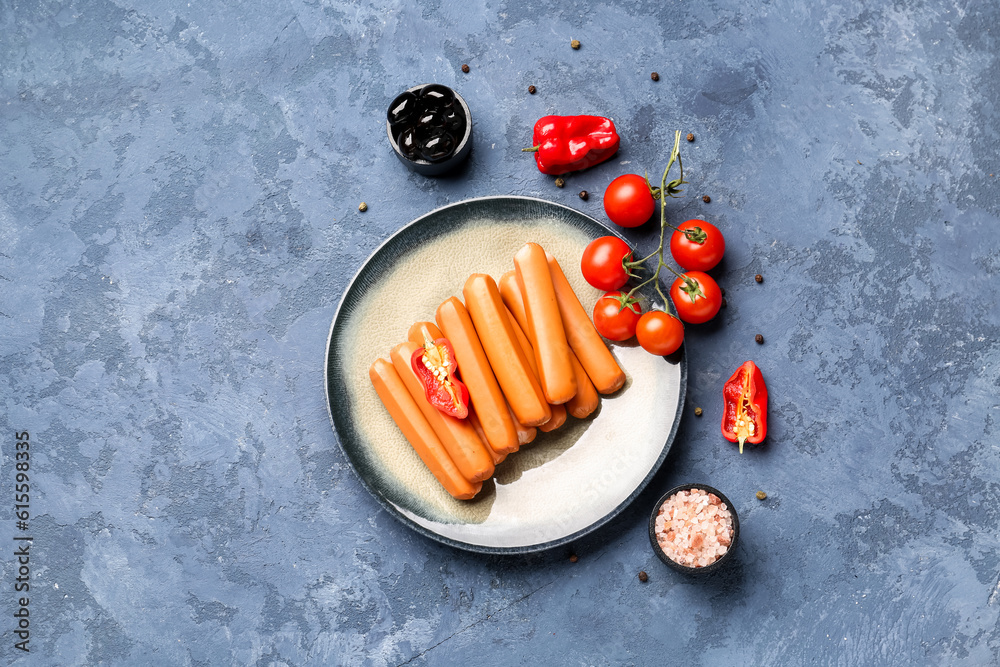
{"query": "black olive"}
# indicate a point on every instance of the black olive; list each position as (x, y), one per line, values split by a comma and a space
(402, 110)
(436, 96)
(428, 123)
(453, 120)
(438, 147)
(408, 145)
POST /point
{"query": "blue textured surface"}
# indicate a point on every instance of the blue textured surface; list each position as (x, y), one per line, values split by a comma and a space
(179, 186)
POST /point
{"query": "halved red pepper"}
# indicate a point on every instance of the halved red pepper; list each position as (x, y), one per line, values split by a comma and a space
(744, 416)
(562, 144)
(435, 366)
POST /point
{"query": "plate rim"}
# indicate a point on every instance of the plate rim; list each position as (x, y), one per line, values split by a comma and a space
(437, 537)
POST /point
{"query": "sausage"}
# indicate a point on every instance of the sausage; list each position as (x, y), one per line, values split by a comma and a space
(545, 326)
(511, 295)
(588, 345)
(474, 367)
(417, 431)
(525, 434)
(498, 457)
(523, 342)
(522, 390)
(558, 411)
(586, 400)
(458, 436)
(558, 418)
(417, 330)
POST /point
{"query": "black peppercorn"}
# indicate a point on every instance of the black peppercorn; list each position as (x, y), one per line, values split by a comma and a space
(584, 195)
(706, 199)
(759, 278)
(465, 68)
(573, 558)
(654, 76)
(531, 90)
(643, 577)
(690, 137)
(759, 339)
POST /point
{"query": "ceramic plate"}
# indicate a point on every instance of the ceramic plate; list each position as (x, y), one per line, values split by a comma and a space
(554, 490)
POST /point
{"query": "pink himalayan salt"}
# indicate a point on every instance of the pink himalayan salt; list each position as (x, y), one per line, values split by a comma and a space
(694, 528)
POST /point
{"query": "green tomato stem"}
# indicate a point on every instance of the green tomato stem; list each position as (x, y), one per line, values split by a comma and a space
(662, 295)
(671, 189)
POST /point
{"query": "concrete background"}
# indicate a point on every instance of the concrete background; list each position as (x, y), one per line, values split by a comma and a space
(179, 186)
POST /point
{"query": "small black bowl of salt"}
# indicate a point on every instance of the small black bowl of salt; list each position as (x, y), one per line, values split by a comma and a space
(694, 529)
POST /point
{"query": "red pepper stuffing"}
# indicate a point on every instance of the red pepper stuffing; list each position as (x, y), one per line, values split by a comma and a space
(569, 143)
(435, 366)
(744, 417)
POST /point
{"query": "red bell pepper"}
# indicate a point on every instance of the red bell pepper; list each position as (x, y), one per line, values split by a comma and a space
(744, 416)
(562, 144)
(435, 366)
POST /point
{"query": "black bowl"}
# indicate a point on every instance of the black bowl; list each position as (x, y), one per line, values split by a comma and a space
(686, 569)
(460, 153)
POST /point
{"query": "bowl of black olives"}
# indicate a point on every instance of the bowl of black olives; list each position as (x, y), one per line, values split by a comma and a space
(430, 128)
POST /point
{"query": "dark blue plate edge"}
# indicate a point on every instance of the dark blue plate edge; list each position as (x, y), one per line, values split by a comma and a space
(387, 504)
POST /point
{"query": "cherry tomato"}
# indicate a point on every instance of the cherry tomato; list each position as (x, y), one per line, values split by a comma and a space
(691, 254)
(602, 263)
(613, 321)
(659, 332)
(628, 201)
(696, 301)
